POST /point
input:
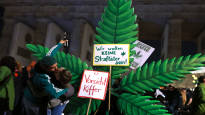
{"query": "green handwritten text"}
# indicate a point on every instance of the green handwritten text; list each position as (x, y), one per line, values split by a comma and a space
(107, 58)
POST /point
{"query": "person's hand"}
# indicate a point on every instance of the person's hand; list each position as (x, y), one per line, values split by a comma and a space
(63, 41)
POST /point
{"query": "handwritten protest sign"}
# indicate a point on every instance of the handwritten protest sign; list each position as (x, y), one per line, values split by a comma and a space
(94, 84)
(111, 55)
(143, 51)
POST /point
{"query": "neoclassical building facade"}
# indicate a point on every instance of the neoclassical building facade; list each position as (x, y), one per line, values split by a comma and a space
(172, 27)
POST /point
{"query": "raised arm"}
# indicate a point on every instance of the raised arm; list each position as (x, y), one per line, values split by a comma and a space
(55, 48)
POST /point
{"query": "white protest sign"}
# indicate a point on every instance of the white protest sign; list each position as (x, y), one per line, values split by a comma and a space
(94, 84)
(111, 54)
(143, 51)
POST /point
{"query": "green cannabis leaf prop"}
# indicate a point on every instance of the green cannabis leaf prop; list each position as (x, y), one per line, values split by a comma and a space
(118, 26)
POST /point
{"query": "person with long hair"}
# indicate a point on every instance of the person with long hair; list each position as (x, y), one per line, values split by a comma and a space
(7, 92)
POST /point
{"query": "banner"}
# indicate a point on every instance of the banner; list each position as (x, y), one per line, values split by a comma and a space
(111, 55)
(94, 84)
(143, 51)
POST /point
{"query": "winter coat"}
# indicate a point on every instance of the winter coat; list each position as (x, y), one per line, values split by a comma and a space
(45, 88)
(41, 82)
(198, 104)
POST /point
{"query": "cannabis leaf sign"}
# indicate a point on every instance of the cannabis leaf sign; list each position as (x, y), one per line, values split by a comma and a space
(137, 55)
(123, 53)
(118, 26)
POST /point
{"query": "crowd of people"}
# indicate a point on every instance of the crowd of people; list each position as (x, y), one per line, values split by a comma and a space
(40, 88)
(182, 101)
(176, 100)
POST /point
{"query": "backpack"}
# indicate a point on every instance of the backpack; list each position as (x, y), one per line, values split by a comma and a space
(4, 105)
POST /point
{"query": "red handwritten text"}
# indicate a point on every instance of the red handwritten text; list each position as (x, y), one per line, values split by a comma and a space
(99, 81)
(90, 89)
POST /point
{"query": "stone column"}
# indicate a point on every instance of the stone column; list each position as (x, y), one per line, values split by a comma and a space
(174, 38)
(200, 39)
(75, 46)
(41, 30)
(5, 39)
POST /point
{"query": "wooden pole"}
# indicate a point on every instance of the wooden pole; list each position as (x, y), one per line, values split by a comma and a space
(96, 111)
(110, 87)
(89, 106)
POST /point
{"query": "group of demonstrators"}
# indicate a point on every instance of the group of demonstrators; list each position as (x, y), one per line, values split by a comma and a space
(38, 89)
(42, 88)
(182, 101)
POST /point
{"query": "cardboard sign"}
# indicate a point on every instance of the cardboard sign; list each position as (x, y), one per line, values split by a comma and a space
(94, 84)
(111, 55)
(143, 51)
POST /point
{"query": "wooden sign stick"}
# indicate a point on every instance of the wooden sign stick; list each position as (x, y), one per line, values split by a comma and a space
(89, 106)
(110, 88)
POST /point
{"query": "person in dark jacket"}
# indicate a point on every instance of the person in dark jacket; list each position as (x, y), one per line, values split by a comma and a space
(198, 103)
(172, 97)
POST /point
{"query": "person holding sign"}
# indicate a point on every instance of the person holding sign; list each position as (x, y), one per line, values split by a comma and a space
(39, 88)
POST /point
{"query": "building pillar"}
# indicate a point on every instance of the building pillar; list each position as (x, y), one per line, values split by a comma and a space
(200, 42)
(174, 38)
(75, 46)
(41, 31)
(5, 39)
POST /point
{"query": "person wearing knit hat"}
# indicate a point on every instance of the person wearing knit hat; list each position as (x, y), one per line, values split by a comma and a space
(49, 62)
(40, 89)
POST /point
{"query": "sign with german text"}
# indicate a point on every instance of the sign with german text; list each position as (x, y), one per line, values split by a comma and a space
(111, 55)
(94, 84)
(143, 51)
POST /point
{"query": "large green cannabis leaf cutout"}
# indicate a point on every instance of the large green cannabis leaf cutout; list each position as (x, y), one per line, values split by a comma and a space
(146, 78)
(117, 26)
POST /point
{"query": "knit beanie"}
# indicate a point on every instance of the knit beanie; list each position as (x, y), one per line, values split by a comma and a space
(48, 61)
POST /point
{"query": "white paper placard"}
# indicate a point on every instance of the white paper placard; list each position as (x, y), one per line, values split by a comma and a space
(111, 55)
(143, 51)
(94, 84)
